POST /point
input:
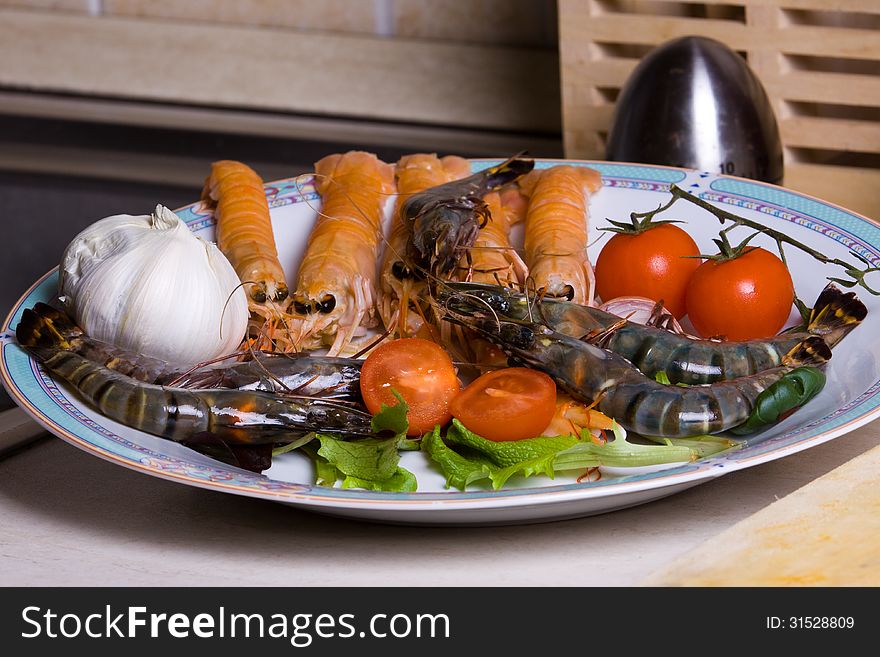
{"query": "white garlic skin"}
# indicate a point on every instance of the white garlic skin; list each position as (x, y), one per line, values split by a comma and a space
(148, 284)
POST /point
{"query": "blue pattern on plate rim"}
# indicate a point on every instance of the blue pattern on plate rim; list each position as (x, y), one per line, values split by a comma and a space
(849, 229)
(284, 192)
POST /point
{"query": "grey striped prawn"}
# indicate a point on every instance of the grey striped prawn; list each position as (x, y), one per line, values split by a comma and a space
(445, 220)
(240, 417)
(298, 373)
(684, 359)
(639, 403)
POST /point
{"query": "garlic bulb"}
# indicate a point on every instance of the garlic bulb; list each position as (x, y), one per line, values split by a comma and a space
(148, 284)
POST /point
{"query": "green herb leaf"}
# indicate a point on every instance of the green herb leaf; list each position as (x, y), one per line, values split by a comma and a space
(792, 391)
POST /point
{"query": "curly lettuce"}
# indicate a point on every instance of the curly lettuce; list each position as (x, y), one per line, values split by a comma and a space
(466, 458)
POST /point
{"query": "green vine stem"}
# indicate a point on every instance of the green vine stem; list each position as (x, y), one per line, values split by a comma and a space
(855, 274)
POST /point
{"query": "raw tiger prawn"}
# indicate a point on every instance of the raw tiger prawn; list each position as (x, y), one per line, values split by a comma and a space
(683, 359)
(294, 374)
(493, 259)
(399, 284)
(639, 403)
(446, 219)
(240, 417)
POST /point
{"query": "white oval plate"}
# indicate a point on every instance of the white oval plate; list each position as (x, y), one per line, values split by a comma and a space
(849, 400)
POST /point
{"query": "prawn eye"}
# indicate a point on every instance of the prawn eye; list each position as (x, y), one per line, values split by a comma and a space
(499, 303)
(400, 271)
(327, 304)
(520, 337)
(302, 307)
(258, 294)
(281, 294)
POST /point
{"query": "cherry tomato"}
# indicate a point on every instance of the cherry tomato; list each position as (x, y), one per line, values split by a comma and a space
(745, 298)
(507, 404)
(421, 371)
(648, 264)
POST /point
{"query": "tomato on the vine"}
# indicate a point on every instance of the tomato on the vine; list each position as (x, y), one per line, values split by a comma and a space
(507, 404)
(421, 372)
(653, 260)
(743, 297)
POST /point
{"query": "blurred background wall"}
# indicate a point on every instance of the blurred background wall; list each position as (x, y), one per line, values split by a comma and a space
(111, 106)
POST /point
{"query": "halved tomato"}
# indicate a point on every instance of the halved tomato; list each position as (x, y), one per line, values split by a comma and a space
(507, 404)
(421, 371)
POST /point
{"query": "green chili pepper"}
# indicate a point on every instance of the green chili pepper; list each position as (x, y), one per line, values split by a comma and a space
(791, 391)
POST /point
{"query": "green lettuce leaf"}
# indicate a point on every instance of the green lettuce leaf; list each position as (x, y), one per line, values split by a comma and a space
(621, 453)
(372, 458)
(402, 481)
(529, 468)
(294, 444)
(466, 458)
(371, 463)
(392, 418)
(701, 446)
(326, 473)
(459, 470)
(509, 453)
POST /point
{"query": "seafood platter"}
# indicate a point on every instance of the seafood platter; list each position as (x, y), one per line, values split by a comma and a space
(445, 341)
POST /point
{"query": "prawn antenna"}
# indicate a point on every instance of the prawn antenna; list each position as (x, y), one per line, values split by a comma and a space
(228, 299)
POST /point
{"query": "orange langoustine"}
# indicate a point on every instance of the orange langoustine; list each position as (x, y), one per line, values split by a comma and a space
(244, 230)
(399, 284)
(335, 286)
(556, 231)
(244, 234)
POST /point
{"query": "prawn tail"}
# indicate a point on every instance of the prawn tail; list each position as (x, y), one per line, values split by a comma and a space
(812, 351)
(835, 314)
(508, 171)
(43, 330)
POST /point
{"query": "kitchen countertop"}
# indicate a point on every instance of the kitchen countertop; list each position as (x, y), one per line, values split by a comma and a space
(69, 518)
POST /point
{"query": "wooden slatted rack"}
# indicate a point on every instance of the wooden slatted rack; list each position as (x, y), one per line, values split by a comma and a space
(819, 61)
